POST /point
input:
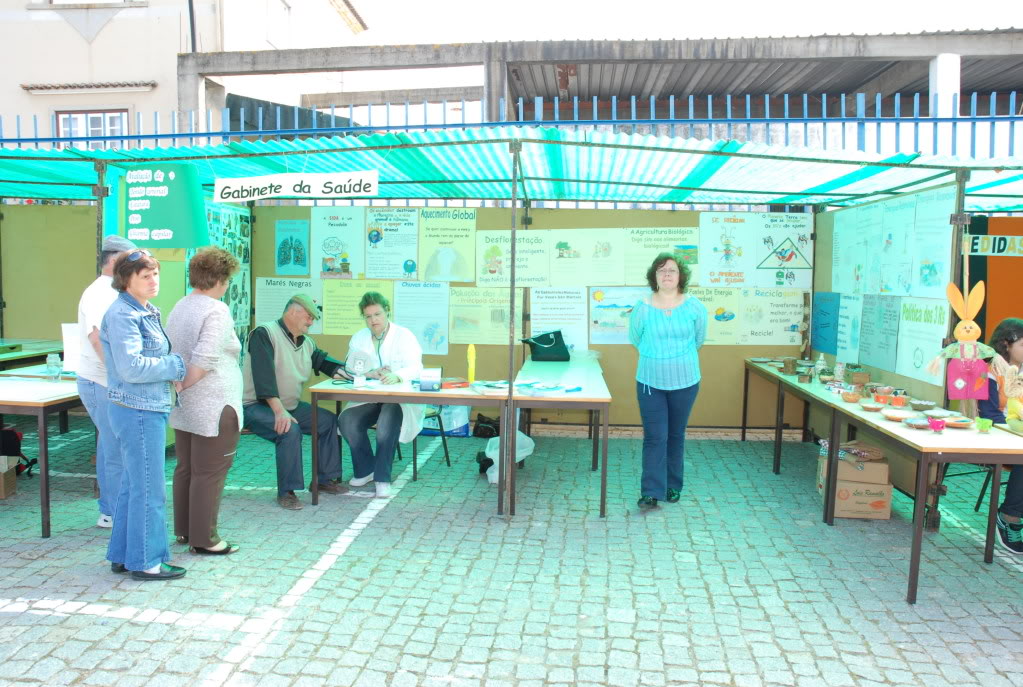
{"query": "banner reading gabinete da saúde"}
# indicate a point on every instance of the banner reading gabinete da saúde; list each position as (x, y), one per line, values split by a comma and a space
(297, 185)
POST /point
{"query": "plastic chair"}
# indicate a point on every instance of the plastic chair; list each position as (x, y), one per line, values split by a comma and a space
(987, 483)
(430, 413)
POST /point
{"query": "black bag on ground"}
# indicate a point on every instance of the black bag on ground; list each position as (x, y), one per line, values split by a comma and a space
(486, 427)
(547, 347)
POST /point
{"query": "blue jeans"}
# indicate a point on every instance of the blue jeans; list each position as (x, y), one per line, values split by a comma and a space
(108, 449)
(139, 537)
(354, 424)
(1012, 501)
(259, 418)
(665, 416)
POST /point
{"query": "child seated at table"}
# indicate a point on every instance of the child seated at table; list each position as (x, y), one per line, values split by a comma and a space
(1005, 400)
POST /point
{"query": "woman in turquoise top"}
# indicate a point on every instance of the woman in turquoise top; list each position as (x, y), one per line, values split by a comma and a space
(667, 328)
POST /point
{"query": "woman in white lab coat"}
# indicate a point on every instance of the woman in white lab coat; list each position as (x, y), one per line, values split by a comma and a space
(397, 357)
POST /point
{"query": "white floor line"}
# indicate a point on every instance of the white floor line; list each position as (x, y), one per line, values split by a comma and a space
(241, 656)
(258, 631)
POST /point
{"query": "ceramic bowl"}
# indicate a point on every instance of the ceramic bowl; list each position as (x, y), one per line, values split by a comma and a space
(1015, 424)
(938, 412)
(917, 404)
(827, 378)
(850, 397)
(897, 414)
(959, 422)
(916, 422)
(886, 390)
(882, 399)
(900, 401)
(871, 407)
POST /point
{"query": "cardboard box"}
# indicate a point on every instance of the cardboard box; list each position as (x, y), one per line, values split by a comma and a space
(8, 486)
(870, 472)
(860, 499)
(8, 462)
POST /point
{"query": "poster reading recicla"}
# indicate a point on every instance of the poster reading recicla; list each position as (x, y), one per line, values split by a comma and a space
(923, 325)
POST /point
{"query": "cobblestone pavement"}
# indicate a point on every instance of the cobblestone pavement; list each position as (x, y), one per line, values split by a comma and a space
(738, 584)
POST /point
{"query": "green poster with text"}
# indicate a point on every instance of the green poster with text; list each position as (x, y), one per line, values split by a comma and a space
(162, 206)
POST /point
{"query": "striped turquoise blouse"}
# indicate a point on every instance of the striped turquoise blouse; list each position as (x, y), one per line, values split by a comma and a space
(667, 341)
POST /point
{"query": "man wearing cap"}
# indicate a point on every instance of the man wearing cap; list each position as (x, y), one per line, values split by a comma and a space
(92, 375)
(281, 359)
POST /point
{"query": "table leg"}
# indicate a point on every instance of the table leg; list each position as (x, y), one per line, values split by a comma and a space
(831, 482)
(44, 473)
(605, 414)
(512, 458)
(502, 467)
(919, 501)
(62, 421)
(745, 402)
(778, 421)
(594, 420)
(315, 401)
(806, 421)
(996, 484)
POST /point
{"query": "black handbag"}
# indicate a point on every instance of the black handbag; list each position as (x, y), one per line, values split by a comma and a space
(547, 347)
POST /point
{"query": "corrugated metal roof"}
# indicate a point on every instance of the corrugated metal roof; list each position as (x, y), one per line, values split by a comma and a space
(556, 164)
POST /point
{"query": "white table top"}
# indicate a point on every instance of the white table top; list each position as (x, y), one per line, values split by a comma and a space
(374, 387)
(923, 440)
(38, 370)
(35, 392)
(580, 372)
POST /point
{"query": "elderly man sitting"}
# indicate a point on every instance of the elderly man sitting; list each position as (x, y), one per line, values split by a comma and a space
(281, 359)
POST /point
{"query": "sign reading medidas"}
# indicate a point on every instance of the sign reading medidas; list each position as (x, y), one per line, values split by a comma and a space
(296, 185)
(994, 244)
(163, 207)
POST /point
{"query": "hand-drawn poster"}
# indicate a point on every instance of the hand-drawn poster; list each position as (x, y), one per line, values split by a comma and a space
(578, 254)
(894, 274)
(272, 294)
(422, 306)
(392, 243)
(869, 245)
(447, 247)
(850, 312)
(338, 243)
(341, 298)
(932, 242)
(923, 325)
(824, 322)
(644, 244)
(291, 242)
(879, 331)
(493, 255)
(560, 308)
(849, 247)
(723, 310)
(770, 317)
(229, 228)
(765, 249)
(610, 307)
(480, 315)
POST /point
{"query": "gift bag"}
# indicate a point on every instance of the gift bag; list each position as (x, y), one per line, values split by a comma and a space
(547, 347)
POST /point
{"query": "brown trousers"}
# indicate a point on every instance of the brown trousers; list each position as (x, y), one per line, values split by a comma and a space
(199, 478)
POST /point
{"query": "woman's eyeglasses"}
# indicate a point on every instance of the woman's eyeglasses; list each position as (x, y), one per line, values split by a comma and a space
(135, 255)
(668, 271)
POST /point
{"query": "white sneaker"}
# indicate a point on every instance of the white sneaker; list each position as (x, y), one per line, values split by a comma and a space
(361, 481)
(105, 521)
(383, 490)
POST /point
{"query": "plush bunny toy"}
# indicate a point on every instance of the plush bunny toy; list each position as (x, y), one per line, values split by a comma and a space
(967, 371)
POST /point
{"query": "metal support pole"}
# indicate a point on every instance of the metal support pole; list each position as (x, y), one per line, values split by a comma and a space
(100, 191)
(507, 459)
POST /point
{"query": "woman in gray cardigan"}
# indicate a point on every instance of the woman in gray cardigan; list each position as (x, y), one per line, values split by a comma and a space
(207, 420)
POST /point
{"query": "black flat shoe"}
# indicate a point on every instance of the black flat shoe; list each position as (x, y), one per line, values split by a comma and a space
(167, 572)
(182, 539)
(674, 495)
(229, 549)
(647, 503)
(118, 568)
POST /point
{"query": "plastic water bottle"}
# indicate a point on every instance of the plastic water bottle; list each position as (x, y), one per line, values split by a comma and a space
(53, 367)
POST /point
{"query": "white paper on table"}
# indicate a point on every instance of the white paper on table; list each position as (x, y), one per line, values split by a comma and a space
(72, 346)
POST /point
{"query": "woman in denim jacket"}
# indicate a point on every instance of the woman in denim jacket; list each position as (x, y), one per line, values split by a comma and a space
(140, 369)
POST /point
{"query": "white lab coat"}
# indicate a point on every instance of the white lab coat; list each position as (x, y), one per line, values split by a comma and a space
(401, 352)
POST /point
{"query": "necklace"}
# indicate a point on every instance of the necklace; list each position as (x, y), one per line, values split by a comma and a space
(383, 333)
